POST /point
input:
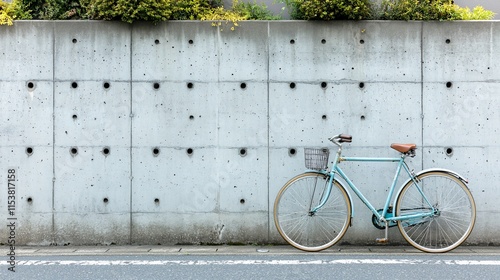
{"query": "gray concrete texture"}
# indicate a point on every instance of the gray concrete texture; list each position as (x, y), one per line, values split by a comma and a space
(183, 133)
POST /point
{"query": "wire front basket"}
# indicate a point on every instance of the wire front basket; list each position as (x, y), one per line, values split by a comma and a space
(316, 159)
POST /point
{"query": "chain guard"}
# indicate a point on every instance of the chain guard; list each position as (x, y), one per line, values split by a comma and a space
(381, 225)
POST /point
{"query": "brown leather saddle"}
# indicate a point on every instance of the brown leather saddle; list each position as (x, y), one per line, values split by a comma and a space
(403, 148)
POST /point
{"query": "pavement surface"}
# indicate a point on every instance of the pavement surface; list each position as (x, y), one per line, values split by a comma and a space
(114, 250)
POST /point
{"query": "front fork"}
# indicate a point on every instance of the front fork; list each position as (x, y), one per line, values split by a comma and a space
(327, 190)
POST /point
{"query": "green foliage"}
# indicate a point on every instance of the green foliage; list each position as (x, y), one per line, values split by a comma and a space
(8, 12)
(190, 9)
(11, 11)
(130, 10)
(63, 9)
(220, 15)
(254, 11)
(18, 11)
(335, 9)
(162, 10)
(415, 9)
(293, 8)
(329, 9)
(5, 14)
(478, 13)
(240, 11)
(430, 10)
(50, 9)
(150, 10)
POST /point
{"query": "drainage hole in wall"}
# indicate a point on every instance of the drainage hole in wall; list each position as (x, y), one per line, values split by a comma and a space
(156, 151)
(449, 84)
(449, 151)
(74, 151)
(106, 85)
(75, 40)
(242, 201)
(292, 85)
(323, 41)
(190, 42)
(363, 118)
(292, 152)
(30, 200)
(191, 117)
(105, 151)
(156, 85)
(361, 85)
(323, 117)
(361, 41)
(243, 85)
(105, 200)
(190, 85)
(31, 85)
(189, 151)
(29, 151)
(292, 41)
(157, 201)
(324, 84)
(75, 117)
(243, 152)
(74, 84)
(157, 42)
(448, 41)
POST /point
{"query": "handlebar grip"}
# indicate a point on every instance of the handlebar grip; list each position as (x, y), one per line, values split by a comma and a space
(341, 138)
(345, 137)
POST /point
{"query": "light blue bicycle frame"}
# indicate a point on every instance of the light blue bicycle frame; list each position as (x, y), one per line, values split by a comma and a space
(381, 217)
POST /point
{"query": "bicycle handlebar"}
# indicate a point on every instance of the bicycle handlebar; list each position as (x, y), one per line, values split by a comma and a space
(341, 138)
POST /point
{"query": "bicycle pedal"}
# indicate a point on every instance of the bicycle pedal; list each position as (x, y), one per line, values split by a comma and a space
(382, 240)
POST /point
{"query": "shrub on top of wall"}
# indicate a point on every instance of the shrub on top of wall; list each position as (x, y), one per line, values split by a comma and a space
(190, 9)
(162, 10)
(388, 10)
(430, 10)
(130, 11)
(5, 16)
(9, 12)
(254, 11)
(47, 9)
(329, 9)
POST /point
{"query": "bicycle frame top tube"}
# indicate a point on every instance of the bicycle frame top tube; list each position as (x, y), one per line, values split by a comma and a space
(401, 163)
(337, 170)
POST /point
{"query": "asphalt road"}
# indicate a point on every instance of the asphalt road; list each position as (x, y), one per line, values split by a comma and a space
(248, 262)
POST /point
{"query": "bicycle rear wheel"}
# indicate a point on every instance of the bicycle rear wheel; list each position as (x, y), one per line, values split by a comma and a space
(302, 228)
(453, 219)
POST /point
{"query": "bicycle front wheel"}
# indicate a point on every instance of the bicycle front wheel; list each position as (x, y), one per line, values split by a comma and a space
(452, 219)
(307, 230)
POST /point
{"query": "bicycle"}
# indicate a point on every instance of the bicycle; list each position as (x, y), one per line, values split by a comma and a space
(434, 209)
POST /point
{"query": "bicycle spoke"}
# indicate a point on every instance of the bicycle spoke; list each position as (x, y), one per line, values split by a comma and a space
(453, 220)
(303, 229)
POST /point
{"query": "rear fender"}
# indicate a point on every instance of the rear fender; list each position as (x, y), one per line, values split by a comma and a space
(452, 173)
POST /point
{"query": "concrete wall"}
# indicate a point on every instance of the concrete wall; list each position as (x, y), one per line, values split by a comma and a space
(184, 133)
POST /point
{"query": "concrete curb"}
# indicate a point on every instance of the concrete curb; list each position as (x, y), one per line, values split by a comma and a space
(230, 250)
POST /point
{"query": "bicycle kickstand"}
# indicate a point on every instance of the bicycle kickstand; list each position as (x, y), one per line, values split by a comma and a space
(384, 240)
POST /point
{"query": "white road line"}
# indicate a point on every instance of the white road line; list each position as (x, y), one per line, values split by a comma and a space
(257, 262)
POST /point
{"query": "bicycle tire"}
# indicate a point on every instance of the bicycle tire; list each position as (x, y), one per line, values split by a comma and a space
(293, 218)
(455, 216)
